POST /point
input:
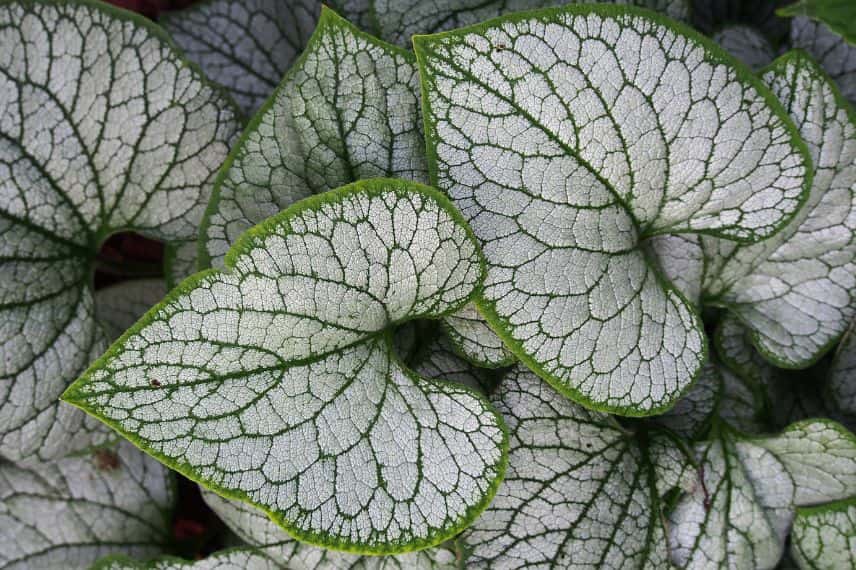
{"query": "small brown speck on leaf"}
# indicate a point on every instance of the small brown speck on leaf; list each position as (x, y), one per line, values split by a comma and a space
(106, 460)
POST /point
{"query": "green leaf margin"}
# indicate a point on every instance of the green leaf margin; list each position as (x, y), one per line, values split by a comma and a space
(371, 187)
(803, 59)
(328, 18)
(716, 54)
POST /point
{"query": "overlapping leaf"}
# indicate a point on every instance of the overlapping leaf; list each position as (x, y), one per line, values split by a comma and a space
(823, 537)
(837, 57)
(741, 513)
(838, 15)
(349, 110)
(245, 46)
(231, 559)
(275, 381)
(568, 136)
(104, 128)
(746, 44)
(254, 528)
(68, 513)
(580, 491)
(842, 375)
(794, 291)
(398, 20)
(474, 339)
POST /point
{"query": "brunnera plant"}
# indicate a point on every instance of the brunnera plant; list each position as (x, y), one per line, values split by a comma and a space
(454, 303)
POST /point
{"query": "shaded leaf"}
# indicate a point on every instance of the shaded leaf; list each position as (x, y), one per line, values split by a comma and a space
(244, 46)
(68, 513)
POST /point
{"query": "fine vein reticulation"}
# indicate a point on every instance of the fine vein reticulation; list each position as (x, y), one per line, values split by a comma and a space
(245, 46)
(794, 291)
(70, 512)
(104, 128)
(568, 136)
(822, 537)
(397, 21)
(580, 492)
(347, 111)
(275, 382)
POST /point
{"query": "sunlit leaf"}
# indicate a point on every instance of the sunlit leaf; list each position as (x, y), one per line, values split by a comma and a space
(275, 381)
(567, 137)
(104, 128)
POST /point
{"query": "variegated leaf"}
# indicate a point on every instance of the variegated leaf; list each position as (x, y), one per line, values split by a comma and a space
(275, 380)
(567, 137)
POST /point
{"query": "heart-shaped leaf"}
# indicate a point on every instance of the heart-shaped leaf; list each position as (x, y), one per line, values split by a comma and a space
(70, 512)
(580, 492)
(275, 381)
(568, 136)
(739, 516)
(794, 291)
(244, 46)
(822, 537)
(398, 20)
(105, 127)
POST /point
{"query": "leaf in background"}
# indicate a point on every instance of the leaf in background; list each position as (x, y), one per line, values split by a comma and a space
(254, 528)
(474, 339)
(728, 389)
(579, 492)
(710, 16)
(763, 397)
(690, 417)
(562, 171)
(823, 537)
(835, 55)
(842, 375)
(229, 559)
(794, 291)
(246, 46)
(838, 15)
(275, 381)
(70, 512)
(437, 357)
(740, 515)
(399, 20)
(746, 44)
(94, 141)
(358, 12)
(347, 111)
(119, 306)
